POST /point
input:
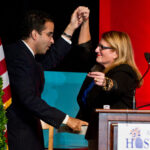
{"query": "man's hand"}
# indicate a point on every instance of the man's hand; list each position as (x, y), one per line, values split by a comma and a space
(75, 124)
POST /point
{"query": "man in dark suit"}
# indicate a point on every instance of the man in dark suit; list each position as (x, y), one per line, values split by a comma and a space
(27, 79)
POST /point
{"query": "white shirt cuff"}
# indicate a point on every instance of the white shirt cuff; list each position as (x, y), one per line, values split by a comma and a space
(66, 119)
(67, 40)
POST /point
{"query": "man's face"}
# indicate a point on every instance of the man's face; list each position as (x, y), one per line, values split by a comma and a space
(45, 38)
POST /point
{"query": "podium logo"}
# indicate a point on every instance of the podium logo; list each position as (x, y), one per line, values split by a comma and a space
(137, 141)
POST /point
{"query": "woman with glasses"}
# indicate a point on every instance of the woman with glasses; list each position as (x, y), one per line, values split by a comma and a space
(111, 82)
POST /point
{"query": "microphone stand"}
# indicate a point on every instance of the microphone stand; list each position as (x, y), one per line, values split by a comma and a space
(134, 101)
(147, 56)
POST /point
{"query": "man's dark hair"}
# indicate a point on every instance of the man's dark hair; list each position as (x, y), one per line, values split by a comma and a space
(33, 20)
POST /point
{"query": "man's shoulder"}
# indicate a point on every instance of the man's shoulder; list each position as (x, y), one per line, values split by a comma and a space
(18, 52)
(12, 47)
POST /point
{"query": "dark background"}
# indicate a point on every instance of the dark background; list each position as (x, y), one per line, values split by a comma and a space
(11, 13)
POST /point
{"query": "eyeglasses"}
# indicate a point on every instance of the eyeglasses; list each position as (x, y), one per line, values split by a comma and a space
(104, 47)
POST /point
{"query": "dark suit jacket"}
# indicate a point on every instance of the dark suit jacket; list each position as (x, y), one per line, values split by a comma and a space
(27, 82)
(119, 97)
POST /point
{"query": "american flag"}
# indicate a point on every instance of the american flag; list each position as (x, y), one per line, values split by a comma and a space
(4, 74)
(6, 98)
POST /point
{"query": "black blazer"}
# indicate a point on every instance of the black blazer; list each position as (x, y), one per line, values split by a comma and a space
(119, 97)
(27, 82)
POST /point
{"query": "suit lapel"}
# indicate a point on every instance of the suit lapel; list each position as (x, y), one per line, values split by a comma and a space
(39, 72)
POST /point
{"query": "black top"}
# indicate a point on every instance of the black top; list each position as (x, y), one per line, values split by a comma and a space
(119, 97)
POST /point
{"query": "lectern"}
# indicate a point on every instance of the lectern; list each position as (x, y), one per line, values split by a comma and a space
(108, 124)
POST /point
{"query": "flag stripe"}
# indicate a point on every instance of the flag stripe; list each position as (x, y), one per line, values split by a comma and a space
(7, 94)
(2, 67)
(5, 80)
(1, 52)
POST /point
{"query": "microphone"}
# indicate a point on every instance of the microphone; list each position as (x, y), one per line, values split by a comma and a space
(147, 57)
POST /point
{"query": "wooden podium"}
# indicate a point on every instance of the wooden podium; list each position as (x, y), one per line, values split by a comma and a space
(108, 124)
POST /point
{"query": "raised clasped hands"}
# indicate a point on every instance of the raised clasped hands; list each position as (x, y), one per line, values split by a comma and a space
(80, 15)
(99, 78)
(83, 14)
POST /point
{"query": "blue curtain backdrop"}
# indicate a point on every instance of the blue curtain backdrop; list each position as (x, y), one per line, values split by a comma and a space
(61, 90)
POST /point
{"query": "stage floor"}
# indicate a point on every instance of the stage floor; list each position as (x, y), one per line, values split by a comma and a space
(72, 149)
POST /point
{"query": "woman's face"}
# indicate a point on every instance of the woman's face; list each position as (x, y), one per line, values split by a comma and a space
(105, 53)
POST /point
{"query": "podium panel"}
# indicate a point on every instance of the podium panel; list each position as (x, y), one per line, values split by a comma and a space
(108, 124)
